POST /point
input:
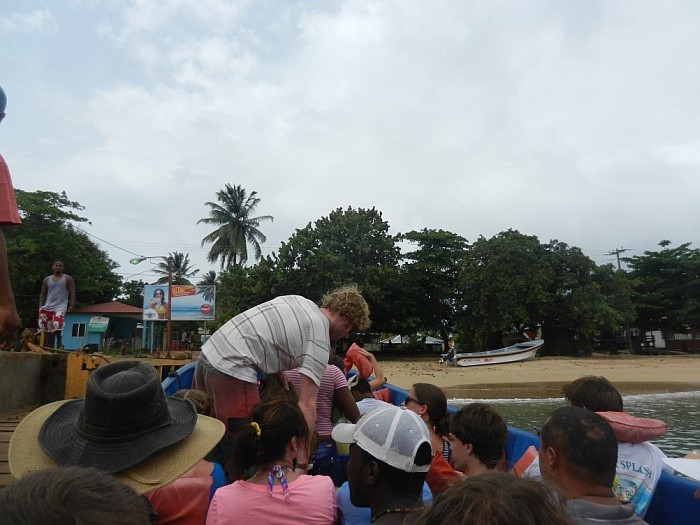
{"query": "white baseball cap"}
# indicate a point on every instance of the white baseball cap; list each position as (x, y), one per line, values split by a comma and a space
(391, 434)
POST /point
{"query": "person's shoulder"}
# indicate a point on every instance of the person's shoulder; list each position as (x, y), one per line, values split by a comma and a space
(335, 372)
(318, 482)
(292, 298)
(645, 446)
(291, 301)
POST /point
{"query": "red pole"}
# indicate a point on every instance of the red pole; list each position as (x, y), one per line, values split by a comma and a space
(170, 306)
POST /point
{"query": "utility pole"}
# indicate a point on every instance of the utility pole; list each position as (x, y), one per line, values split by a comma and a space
(616, 252)
(628, 334)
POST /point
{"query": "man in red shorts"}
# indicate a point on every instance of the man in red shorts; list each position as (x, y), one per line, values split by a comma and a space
(9, 216)
(57, 298)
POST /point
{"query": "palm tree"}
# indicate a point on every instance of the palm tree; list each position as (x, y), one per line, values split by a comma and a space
(208, 277)
(236, 228)
(207, 285)
(181, 269)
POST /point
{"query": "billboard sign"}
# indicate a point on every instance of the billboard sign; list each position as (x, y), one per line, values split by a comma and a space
(188, 302)
(98, 324)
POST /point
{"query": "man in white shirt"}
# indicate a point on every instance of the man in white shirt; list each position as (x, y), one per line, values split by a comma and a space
(284, 333)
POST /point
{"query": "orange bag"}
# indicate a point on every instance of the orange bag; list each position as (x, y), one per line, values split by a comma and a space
(354, 357)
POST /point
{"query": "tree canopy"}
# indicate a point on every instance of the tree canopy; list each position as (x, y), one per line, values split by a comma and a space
(430, 280)
(421, 282)
(347, 246)
(666, 286)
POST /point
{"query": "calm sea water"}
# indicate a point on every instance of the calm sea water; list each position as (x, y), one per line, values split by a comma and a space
(681, 410)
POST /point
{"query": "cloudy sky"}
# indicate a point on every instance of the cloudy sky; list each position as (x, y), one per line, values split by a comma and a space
(571, 120)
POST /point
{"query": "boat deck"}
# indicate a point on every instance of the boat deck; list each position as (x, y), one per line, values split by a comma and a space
(8, 423)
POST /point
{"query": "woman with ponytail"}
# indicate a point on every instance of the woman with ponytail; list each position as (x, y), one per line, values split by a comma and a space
(274, 450)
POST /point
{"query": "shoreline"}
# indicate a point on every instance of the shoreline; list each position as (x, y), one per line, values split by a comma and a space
(553, 390)
(544, 376)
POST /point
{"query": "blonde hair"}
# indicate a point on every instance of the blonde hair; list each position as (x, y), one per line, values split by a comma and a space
(348, 302)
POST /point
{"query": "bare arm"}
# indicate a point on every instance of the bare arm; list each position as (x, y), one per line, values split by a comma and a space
(9, 320)
(308, 390)
(71, 292)
(347, 404)
(42, 295)
(379, 380)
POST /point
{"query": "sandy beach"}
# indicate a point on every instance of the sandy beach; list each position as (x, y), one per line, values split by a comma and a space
(544, 376)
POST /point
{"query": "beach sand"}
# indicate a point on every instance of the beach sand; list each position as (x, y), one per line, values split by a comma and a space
(544, 376)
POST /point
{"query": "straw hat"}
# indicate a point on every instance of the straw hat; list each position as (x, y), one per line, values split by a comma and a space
(125, 425)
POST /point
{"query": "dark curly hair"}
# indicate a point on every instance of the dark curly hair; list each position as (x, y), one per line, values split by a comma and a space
(496, 498)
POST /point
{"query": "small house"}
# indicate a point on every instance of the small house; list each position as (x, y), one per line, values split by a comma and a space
(105, 325)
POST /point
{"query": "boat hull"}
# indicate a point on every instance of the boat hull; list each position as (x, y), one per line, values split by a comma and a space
(672, 503)
(510, 354)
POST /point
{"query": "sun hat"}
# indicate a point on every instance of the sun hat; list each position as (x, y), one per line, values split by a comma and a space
(125, 426)
(391, 434)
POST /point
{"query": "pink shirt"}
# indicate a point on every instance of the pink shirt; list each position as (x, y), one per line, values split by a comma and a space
(332, 380)
(311, 501)
(185, 500)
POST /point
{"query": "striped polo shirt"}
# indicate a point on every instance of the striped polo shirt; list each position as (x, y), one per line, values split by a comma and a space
(287, 332)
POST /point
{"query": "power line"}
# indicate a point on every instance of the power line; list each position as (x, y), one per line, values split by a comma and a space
(107, 242)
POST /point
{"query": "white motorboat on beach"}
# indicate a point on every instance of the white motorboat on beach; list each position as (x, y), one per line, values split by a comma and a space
(509, 354)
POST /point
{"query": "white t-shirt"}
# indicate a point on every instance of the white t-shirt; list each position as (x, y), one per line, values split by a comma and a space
(639, 467)
(369, 403)
(284, 333)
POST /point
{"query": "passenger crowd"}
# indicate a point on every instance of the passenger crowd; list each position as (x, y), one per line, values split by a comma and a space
(224, 453)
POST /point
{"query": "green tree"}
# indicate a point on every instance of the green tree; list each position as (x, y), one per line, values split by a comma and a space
(208, 278)
(207, 285)
(208, 291)
(236, 227)
(505, 283)
(131, 293)
(348, 246)
(182, 269)
(512, 281)
(430, 279)
(48, 232)
(666, 287)
(583, 298)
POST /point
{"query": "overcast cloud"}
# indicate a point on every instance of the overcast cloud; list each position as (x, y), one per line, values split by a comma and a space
(570, 120)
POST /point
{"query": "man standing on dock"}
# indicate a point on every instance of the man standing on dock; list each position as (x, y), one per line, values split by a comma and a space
(57, 297)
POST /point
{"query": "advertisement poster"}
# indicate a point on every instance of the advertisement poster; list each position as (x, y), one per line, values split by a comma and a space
(188, 302)
(98, 324)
